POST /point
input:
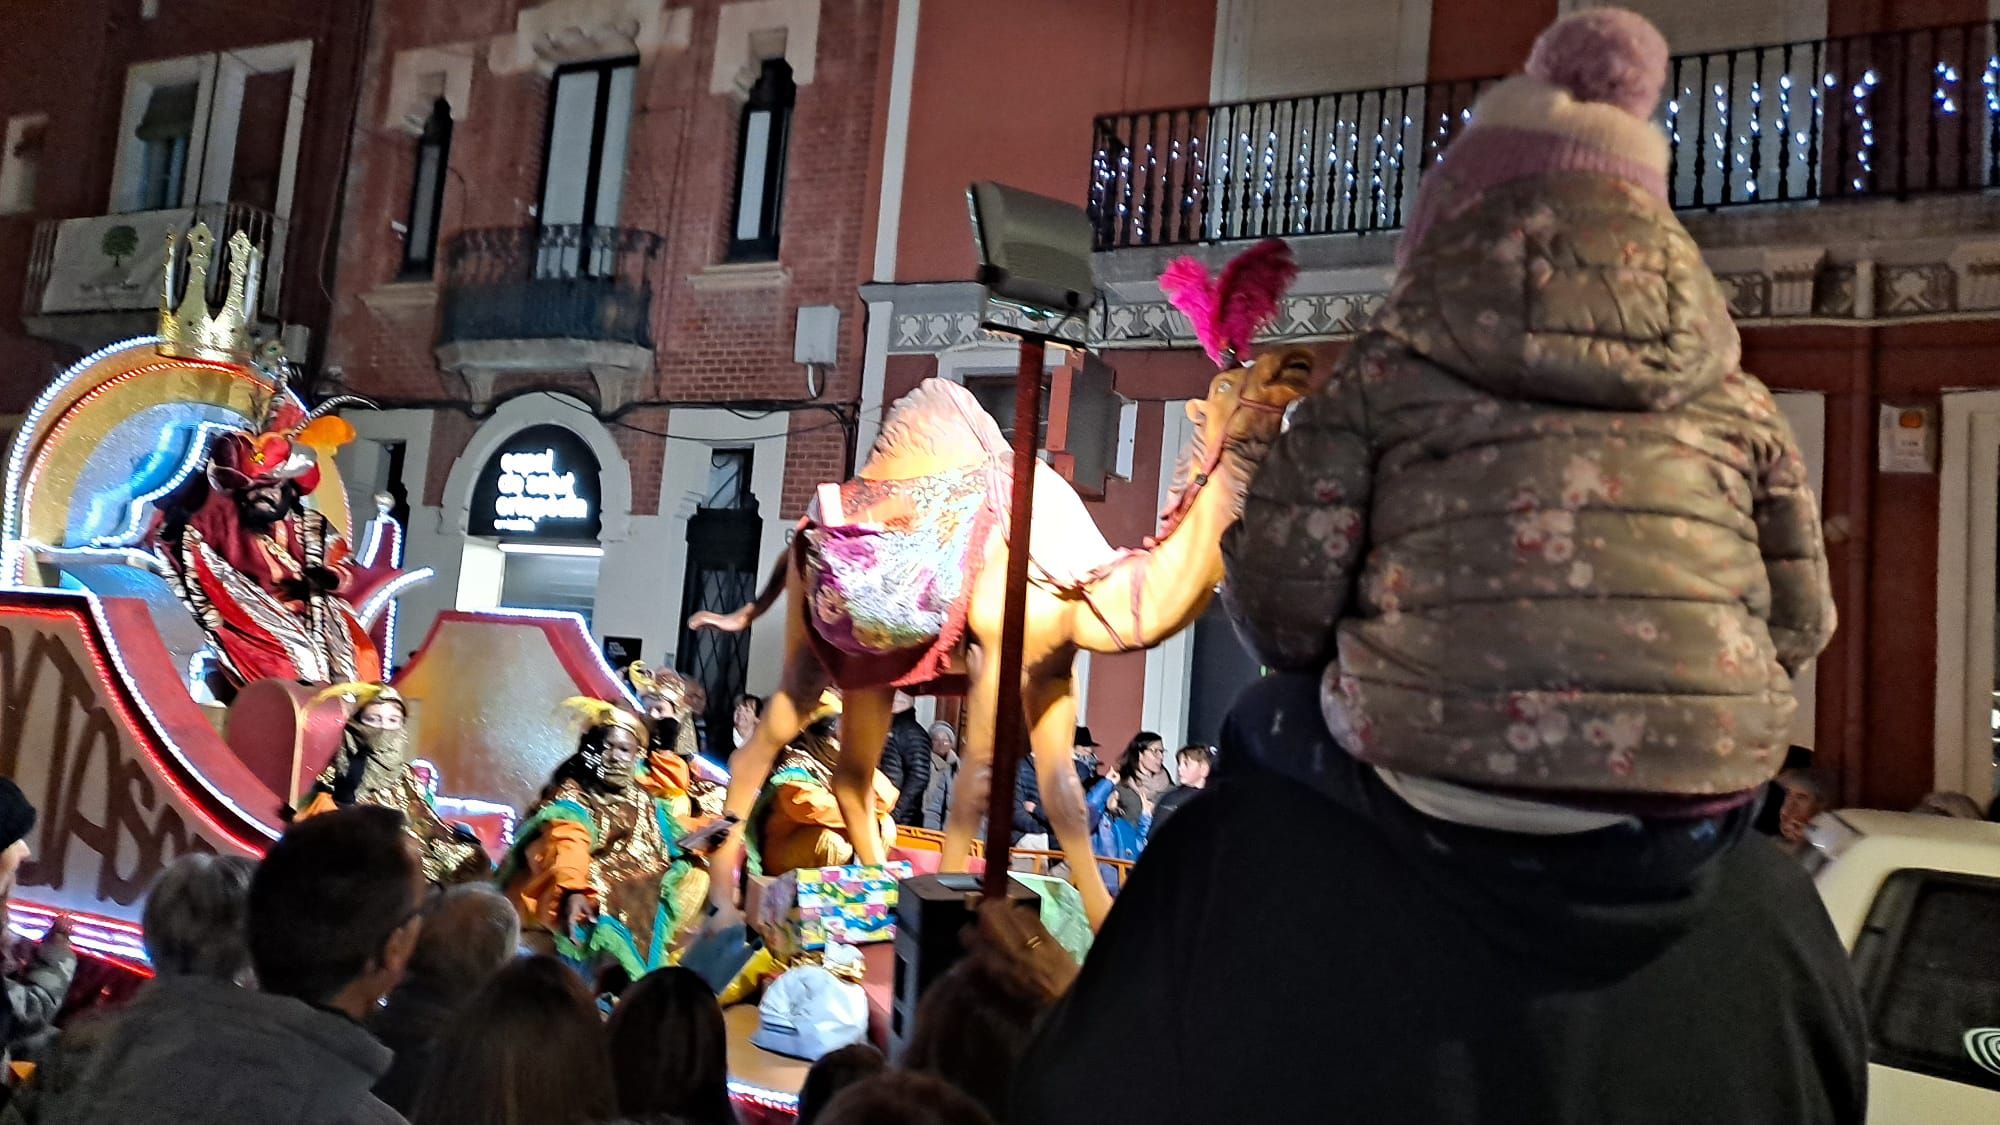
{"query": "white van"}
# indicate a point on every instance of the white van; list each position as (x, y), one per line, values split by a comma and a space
(1917, 902)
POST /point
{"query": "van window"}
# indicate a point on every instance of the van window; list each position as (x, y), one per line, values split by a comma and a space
(1929, 977)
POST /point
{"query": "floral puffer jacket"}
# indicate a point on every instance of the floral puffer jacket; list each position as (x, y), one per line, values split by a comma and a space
(1539, 528)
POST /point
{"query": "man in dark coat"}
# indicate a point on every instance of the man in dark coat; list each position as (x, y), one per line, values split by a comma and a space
(1029, 815)
(906, 761)
(1432, 971)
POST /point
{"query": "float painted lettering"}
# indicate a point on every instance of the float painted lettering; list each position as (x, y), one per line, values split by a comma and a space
(62, 744)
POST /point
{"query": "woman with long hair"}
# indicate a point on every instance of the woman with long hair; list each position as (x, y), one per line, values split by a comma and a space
(669, 1050)
(528, 1049)
(1142, 781)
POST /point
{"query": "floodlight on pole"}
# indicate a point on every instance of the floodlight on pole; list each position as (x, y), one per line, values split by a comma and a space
(1034, 260)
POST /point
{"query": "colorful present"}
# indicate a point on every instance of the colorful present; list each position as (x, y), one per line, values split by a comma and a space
(805, 910)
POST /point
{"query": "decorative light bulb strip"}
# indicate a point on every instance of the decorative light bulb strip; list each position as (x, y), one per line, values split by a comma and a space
(1746, 126)
(110, 938)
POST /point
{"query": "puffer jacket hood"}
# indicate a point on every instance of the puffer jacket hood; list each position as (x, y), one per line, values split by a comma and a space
(1581, 296)
(195, 1049)
(1539, 530)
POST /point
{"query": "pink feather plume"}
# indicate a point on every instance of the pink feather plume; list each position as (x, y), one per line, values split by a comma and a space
(1228, 313)
(1189, 289)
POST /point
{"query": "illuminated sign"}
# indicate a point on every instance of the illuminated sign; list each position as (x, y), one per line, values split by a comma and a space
(542, 484)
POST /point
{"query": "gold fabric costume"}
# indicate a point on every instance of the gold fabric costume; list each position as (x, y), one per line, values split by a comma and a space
(375, 764)
(615, 845)
(797, 822)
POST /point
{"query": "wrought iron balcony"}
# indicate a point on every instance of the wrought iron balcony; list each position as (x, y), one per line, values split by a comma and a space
(549, 283)
(95, 279)
(1893, 115)
(549, 300)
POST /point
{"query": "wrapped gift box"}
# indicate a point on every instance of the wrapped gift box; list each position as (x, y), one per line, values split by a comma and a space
(805, 910)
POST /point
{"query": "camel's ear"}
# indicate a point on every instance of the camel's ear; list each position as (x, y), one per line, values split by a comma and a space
(1197, 410)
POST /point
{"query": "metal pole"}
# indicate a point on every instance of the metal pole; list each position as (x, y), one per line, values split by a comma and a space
(1009, 725)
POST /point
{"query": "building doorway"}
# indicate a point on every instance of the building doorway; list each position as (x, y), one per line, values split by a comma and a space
(533, 526)
(722, 574)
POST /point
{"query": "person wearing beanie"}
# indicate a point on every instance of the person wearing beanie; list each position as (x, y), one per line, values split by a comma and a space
(1535, 570)
(37, 974)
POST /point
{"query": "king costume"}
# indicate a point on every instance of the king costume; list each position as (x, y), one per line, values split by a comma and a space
(372, 767)
(271, 581)
(797, 822)
(605, 829)
(690, 785)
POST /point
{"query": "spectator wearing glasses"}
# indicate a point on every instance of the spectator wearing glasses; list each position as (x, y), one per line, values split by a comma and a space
(334, 913)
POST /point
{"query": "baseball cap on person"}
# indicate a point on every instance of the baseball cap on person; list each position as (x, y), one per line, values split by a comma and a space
(17, 816)
(1083, 737)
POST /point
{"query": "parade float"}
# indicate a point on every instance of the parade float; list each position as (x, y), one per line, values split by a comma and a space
(152, 649)
(181, 575)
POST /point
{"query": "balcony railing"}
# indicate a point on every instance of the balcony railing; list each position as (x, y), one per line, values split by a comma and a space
(1893, 114)
(548, 283)
(113, 263)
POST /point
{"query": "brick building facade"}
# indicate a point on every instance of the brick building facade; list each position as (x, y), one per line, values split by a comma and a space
(246, 113)
(623, 223)
(623, 303)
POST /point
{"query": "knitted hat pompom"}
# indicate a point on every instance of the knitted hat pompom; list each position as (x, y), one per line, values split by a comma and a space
(1605, 55)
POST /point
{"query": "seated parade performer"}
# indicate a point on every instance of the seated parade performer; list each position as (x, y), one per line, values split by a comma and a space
(270, 581)
(668, 701)
(796, 821)
(594, 869)
(372, 767)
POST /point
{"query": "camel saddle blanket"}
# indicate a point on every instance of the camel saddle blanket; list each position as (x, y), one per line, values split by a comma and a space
(889, 567)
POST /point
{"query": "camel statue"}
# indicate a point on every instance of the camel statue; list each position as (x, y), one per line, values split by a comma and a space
(897, 579)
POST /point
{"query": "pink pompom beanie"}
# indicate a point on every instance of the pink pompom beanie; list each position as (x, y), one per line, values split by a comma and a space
(1584, 104)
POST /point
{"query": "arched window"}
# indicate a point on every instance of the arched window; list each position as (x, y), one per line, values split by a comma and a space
(427, 192)
(760, 165)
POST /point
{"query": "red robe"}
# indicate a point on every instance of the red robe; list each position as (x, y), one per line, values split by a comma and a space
(246, 588)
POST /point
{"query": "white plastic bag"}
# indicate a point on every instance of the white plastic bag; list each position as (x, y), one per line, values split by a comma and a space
(809, 1012)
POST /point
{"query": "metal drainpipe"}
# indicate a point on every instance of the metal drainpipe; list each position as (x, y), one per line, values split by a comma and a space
(1859, 502)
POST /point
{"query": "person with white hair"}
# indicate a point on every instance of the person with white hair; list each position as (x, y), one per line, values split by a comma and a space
(194, 927)
(944, 771)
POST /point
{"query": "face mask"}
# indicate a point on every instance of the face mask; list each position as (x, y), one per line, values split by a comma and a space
(372, 760)
(665, 735)
(385, 747)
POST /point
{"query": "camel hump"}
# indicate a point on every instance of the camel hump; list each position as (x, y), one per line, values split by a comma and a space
(938, 426)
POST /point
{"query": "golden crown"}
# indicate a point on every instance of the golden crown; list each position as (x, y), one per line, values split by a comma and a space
(188, 331)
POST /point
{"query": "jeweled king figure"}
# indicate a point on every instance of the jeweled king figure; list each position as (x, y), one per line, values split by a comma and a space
(594, 869)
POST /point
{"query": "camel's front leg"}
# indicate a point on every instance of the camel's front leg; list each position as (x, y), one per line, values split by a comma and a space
(864, 727)
(785, 715)
(1051, 704)
(971, 793)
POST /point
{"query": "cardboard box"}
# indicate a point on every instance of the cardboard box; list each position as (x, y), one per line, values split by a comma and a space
(804, 911)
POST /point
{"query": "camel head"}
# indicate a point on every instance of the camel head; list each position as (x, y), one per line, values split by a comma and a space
(1245, 407)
